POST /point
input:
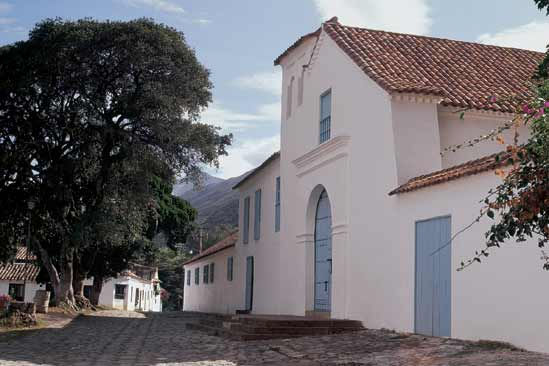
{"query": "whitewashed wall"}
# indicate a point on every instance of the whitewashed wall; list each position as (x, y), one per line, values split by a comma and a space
(221, 296)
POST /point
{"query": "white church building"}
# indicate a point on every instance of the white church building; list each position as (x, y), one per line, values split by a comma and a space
(351, 219)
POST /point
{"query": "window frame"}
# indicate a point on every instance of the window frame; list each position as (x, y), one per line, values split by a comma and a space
(197, 275)
(117, 294)
(14, 289)
(188, 277)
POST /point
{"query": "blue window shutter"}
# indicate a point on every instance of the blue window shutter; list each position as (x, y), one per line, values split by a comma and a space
(206, 274)
(277, 205)
(197, 275)
(188, 278)
(246, 228)
(257, 215)
(212, 272)
(325, 116)
(230, 268)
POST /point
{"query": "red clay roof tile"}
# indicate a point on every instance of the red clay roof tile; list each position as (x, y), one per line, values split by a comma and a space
(464, 74)
(469, 168)
(228, 242)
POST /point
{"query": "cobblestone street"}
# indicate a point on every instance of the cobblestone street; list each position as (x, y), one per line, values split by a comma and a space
(117, 338)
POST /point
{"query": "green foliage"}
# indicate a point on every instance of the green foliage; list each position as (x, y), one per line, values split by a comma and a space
(173, 215)
(171, 275)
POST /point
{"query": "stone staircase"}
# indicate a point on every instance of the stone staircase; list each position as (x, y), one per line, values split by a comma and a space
(258, 327)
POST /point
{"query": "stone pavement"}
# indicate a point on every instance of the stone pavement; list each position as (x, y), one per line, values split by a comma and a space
(119, 338)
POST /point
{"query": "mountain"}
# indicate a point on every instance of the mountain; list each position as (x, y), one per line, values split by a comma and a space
(216, 202)
(183, 187)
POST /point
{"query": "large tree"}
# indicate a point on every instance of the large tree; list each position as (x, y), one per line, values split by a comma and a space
(90, 113)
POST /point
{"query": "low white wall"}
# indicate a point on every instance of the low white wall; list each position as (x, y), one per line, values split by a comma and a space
(221, 296)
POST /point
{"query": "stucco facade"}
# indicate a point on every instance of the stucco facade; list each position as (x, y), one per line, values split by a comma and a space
(379, 140)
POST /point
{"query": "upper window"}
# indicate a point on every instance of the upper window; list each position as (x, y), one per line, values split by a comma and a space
(246, 228)
(325, 116)
(257, 214)
(230, 262)
(300, 86)
(277, 205)
(197, 275)
(188, 278)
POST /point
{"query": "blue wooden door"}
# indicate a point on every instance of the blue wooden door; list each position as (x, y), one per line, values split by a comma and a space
(249, 282)
(323, 254)
(433, 277)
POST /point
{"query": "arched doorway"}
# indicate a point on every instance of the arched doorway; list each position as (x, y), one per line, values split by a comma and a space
(323, 254)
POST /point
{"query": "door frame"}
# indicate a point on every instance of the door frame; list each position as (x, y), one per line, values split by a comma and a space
(449, 217)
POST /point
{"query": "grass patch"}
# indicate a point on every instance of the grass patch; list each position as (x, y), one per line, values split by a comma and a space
(488, 345)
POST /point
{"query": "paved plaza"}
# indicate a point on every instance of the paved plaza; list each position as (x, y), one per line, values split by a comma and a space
(119, 338)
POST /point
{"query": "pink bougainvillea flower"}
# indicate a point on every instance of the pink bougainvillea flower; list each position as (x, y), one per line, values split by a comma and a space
(547, 104)
(540, 113)
(493, 99)
(526, 108)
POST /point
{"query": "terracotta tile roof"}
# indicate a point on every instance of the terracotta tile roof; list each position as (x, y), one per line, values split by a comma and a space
(459, 171)
(271, 158)
(464, 74)
(23, 254)
(19, 272)
(228, 242)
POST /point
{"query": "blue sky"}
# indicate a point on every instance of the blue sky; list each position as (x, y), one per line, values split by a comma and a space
(239, 39)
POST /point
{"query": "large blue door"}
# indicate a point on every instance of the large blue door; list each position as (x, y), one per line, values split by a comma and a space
(433, 277)
(323, 254)
(249, 282)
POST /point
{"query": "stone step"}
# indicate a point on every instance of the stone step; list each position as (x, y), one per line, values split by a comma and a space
(234, 335)
(303, 331)
(272, 323)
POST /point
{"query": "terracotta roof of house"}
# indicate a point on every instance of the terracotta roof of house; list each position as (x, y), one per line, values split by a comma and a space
(23, 254)
(19, 272)
(463, 74)
(228, 242)
(271, 158)
(459, 171)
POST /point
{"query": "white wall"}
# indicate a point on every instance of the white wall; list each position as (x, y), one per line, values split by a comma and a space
(221, 296)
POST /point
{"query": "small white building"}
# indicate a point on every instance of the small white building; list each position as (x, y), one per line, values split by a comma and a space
(351, 219)
(137, 288)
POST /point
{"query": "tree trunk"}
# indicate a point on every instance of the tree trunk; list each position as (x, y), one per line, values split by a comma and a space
(61, 280)
(96, 290)
(78, 279)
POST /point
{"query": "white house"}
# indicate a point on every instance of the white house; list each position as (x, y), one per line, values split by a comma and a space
(137, 288)
(351, 218)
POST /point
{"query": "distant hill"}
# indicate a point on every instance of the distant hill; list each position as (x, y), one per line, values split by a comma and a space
(181, 188)
(216, 202)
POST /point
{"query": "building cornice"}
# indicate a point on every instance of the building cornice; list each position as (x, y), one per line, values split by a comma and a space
(453, 112)
(321, 151)
(416, 98)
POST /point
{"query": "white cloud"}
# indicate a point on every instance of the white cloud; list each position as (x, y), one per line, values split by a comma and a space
(531, 36)
(231, 121)
(269, 82)
(407, 16)
(246, 156)
(160, 5)
(5, 7)
(6, 21)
